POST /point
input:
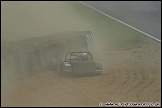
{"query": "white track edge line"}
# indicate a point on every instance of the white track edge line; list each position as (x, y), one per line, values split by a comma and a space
(121, 22)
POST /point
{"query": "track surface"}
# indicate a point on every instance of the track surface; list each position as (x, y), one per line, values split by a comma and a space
(143, 15)
(129, 76)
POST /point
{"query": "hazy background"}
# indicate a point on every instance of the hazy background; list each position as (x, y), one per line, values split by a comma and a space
(131, 73)
(24, 19)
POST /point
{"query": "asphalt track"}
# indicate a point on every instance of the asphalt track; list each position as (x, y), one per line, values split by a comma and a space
(132, 74)
(142, 15)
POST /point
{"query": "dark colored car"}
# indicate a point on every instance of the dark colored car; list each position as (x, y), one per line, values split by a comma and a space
(80, 63)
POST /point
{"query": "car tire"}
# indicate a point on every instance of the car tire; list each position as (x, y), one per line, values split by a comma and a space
(62, 71)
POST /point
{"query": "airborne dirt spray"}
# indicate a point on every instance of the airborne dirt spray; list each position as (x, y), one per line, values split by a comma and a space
(23, 84)
(23, 20)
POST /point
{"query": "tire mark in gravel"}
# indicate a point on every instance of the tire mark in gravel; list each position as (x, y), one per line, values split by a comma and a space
(104, 80)
(132, 78)
(117, 77)
(130, 83)
(113, 79)
(133, 88)
(149, 83)
(126, 76)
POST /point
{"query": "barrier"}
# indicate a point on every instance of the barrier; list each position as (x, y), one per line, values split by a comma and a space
(24, 58)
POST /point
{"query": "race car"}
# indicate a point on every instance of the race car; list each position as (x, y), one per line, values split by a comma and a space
(80, 63)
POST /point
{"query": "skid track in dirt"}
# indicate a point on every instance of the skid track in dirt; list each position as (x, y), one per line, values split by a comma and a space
(51, 89)
(129, 76)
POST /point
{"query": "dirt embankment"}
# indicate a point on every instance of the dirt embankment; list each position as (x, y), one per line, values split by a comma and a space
(132, 75)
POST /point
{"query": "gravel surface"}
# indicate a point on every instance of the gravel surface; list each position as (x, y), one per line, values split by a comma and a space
(130, 75)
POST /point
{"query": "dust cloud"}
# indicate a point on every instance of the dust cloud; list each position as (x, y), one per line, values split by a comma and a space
(23, 20)
(129, 75)
(34, 19)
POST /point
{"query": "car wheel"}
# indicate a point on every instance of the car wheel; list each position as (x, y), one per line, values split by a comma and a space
(62, 69)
